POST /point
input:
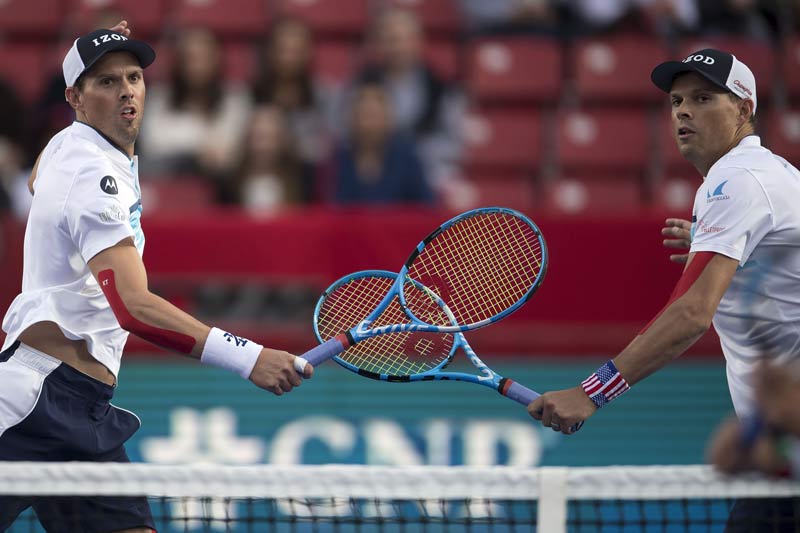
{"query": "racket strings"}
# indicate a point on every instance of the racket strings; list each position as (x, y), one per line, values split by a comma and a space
(396, 354)
(481, 265)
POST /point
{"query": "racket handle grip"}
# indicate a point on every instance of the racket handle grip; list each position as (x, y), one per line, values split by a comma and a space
(522, 394)
(751, 428)
(519, 393)
(323, 352)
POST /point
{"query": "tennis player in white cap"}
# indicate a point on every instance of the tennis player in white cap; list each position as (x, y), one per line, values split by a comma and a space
(84, 289)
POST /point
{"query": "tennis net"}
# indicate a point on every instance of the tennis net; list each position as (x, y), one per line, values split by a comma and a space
(366, 499)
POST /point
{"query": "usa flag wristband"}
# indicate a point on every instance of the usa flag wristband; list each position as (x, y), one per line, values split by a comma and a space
(605, 384)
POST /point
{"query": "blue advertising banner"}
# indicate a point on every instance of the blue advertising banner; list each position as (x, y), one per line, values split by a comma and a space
(191, 413)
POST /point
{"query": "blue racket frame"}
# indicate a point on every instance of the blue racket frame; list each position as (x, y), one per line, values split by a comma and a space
(338, 344)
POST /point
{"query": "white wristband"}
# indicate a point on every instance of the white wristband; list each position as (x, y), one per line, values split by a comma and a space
(225, 350)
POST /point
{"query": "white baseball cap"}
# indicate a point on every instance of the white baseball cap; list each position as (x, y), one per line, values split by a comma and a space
(87, 50)
(718, 67)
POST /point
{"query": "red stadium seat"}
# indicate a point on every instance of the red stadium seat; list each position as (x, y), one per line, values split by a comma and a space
(676, 196)
(514, 69)
(617, 69)
(240, 61)
(790, 68)
(514, 190)
(335, 61)
(604, 142)
(145, 17)
(783, 134)
(21, 66)
(443, 57)
(437, 16)
(176, 194)
(328, 17)
(589, 195)
(757, 55)
(232, 18)
(30, 18)
(503, 139)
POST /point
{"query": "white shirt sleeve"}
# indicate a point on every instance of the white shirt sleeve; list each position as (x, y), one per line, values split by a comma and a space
(95, 216)
(732, 214)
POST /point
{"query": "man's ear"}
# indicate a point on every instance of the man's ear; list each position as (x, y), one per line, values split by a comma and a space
(73, 97)
(745, 111)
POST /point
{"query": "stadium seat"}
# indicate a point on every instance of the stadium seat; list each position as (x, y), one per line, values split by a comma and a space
(30, 18)
(514, 69)
(783, 134)
(503, 140)
(335, 61)
(144, 16)
(604, 142)
(240, 61)
(617, 69)
(676, 196)
(176, 194)
(515, 190)
(21, 66)
(230, 18)
(438, 17)
(588, 195)
(790, 68)
(443, 57)
(328, 17)
(759, 56)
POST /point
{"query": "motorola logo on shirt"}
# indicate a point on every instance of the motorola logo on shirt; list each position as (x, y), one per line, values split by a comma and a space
(109, 185)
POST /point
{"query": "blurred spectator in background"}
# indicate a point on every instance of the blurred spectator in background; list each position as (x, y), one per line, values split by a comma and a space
(270, 173)
(422, 105)
(776, 450)
(669, 18)
(377, 163)
(755, 19)
(284, 78)
(12, 143)
(513, 16)
(196, 122)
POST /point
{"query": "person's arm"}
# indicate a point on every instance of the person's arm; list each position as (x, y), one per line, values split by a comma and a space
(684, 320)
(678, 233)
(121, 274)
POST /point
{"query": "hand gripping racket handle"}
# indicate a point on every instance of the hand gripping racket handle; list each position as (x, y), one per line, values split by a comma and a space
(323, 352)
(522, 394)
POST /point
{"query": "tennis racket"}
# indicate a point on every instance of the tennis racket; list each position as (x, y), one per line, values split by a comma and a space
(403, 356)
(483, 265)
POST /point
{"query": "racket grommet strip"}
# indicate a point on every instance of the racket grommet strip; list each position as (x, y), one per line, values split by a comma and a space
(226, 350)
(605, 384)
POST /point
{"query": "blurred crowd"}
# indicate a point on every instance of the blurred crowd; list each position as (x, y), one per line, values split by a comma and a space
(390, 129)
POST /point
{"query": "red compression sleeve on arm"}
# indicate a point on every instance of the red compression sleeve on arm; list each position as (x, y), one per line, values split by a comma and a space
(693, 270)
(161, 337)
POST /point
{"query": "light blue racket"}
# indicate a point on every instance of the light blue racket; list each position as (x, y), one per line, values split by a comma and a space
(483, 264)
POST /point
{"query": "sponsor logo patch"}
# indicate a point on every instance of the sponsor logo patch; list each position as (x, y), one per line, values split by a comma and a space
(113, 213)
(109, 185)
(718, 193)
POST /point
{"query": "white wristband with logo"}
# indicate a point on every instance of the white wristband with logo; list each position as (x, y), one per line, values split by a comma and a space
(226, 350)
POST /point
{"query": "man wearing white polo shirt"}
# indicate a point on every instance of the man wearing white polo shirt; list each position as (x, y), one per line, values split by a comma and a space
(743, 267)
(84, 289)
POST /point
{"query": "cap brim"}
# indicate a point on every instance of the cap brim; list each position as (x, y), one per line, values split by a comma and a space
(143, 52)
(664, 74)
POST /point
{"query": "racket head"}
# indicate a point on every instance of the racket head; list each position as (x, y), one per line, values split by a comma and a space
(484, 264)
(394, 356)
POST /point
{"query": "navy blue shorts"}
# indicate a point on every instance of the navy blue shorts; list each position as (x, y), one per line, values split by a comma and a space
(51, 412)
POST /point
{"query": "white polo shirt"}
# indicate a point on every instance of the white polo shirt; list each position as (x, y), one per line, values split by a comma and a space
(86, 199)
(748, 209)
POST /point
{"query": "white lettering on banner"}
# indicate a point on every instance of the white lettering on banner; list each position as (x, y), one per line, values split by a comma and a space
(388, 444)
(482, 440)
(701, 58)
(290, 439)
(203, 438)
